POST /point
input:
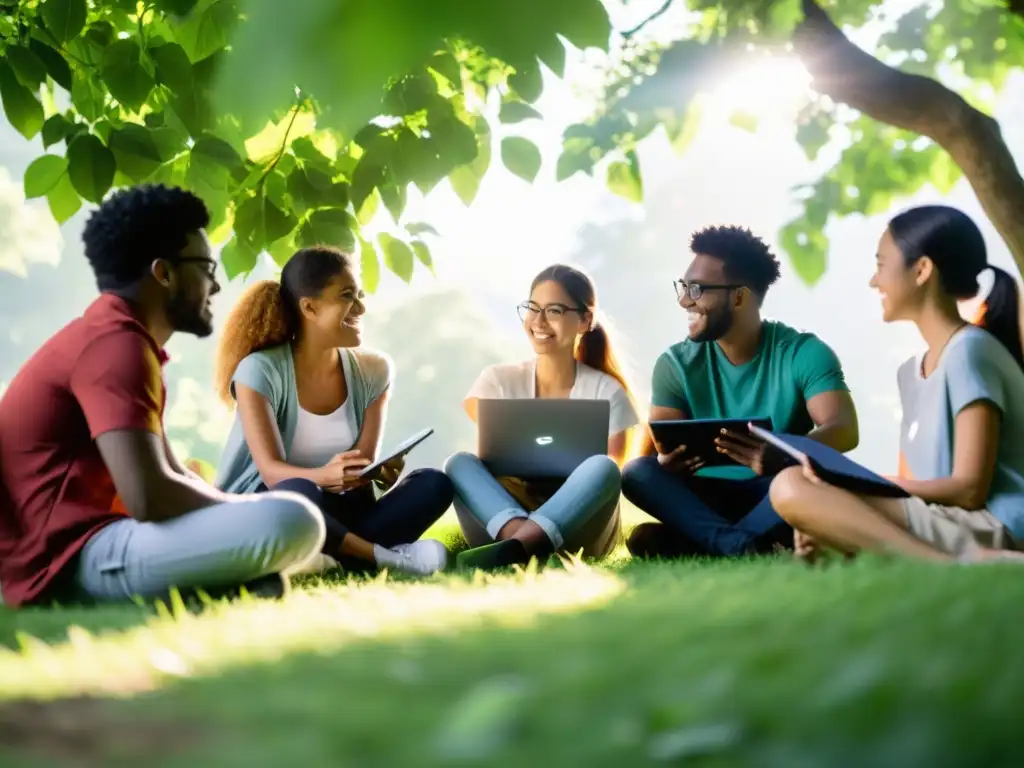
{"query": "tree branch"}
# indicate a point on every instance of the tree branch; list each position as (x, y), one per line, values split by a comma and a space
(845, 73)
(664, 7)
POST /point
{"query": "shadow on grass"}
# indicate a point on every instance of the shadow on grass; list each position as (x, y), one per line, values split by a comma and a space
(763, 664)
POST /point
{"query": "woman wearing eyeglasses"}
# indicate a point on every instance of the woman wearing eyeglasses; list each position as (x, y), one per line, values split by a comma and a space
(507, 520)
(311, 408)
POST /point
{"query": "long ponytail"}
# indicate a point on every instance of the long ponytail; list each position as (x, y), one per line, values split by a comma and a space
(595, 350)
(1000, 313)
(260, 319)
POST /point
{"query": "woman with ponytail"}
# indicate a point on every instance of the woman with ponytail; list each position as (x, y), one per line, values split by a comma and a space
(574, 359)
(311, 407)
(961, 454)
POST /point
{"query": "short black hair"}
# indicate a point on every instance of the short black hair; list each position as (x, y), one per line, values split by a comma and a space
(747, 259)
(136, 225)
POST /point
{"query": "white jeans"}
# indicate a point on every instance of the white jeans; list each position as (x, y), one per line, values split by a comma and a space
(223, 545)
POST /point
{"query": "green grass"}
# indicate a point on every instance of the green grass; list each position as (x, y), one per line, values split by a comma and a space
(767, 663)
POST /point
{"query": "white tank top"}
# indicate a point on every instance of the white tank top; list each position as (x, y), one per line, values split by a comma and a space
(318, 438)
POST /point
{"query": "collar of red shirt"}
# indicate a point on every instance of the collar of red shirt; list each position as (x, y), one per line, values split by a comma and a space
(110, 304)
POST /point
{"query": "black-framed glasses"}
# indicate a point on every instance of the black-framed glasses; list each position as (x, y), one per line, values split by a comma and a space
(695, 290)
(552, 312)
(211, 264)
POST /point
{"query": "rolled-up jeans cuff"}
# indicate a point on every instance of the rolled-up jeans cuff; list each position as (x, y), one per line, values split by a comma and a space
(550, 528)
(498, 522)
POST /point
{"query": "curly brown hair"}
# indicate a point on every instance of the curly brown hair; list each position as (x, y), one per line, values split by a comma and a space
(267, 314)
(256, 322)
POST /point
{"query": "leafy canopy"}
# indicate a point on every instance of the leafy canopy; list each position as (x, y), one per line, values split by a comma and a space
(294, 127)
(972, 46)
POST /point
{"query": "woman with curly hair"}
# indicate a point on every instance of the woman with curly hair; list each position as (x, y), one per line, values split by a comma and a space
(310, 415)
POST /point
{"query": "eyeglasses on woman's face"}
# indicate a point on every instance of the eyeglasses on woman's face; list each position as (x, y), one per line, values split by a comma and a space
(553, 313)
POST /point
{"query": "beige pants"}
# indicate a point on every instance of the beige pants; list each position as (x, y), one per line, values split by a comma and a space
(954, 530)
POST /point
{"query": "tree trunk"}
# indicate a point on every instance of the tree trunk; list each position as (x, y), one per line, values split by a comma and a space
(848, 75)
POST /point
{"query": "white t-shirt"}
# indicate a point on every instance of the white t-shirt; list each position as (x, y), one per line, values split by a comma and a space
(518, 381)
(318, 438)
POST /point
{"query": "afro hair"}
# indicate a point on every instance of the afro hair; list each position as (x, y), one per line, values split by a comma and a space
(136, 225)
(746, 258)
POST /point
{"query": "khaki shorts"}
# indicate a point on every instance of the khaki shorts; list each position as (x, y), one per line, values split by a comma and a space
(952, 529)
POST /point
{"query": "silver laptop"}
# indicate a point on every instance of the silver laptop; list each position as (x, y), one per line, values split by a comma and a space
(540, 438)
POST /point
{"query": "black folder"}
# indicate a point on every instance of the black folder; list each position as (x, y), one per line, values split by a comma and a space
(831, 465)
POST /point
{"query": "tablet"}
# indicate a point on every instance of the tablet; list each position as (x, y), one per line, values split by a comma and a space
(401, 450)
(698, 435)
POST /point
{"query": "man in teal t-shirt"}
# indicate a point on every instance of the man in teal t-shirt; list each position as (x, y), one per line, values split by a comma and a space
(732, 365)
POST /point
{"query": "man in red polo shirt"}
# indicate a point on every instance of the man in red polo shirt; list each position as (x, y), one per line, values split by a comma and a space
(93, 503)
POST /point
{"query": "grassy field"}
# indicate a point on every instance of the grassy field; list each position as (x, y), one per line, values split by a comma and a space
(764, 663)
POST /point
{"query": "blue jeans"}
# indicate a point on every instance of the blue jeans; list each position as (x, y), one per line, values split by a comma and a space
(582, 514)
(720, 516)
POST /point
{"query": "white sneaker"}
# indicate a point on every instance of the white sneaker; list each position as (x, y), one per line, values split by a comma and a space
(422, 557)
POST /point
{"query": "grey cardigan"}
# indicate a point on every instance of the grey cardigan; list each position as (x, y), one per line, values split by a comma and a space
(271, 372)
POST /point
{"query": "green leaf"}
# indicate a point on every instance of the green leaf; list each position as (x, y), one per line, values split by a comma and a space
(687, 128)
(527, 82)
(63, 199)
(575, 157)
(88, 96)
(312, 188)
(368, 209)
(807, 249)
(306, 151)
(22, 108)
(168, 142)
(91, 167)
(217, 151)
(369, 266)
(584, 24)
(516, 112)
(259, 222)
(745, 120)
(368, 176)
(28, 67)
(266, 144)
(813, 134)
(398, 256)
(136, 152)
(423, 254)
(448, 67)
(55, 129)
(521, 157)
(394, 196)
(238, 258)
(176, 7)
(126, 78)
(173, 67)
(330, 226)
(624, 178)
(419, 228)
(56, 65)
(64, 18)
(207, 29)
(43, 174)
(465, 179)
(282, 250)
(783, 17)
